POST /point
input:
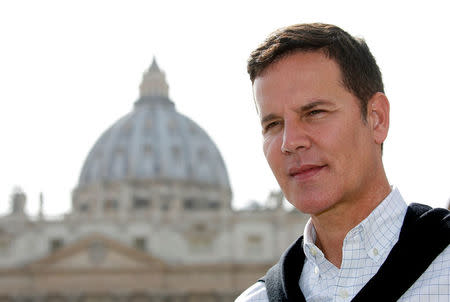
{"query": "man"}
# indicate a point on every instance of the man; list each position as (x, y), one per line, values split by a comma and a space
(324, 117)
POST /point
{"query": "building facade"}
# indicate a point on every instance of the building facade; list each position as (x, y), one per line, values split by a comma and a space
(151, 220)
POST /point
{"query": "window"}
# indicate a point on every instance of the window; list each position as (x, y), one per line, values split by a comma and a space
(128, 128)
(189, 204)
(176, 152)
(5, 241)
(196, 204)
(199, 228)
(4, 244)
(140, 203)
(213, 205)
(53, 298)
(56, 244)
(120, 150)
(110, 205)
(200, 238)
(157, 167)
(148, 124)
(84, 207)
(140, 297)
(97, 252)
(202, 154)
(96, 298)
(172, 127)
(148, 149)
(165, 206)
(140, 243)
(200, 244)
(254, 244)
(165, 203)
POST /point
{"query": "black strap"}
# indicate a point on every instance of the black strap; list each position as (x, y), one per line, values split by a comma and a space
(424, 235)
(281, 279)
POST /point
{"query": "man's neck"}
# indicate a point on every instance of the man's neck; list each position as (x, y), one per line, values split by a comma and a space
(333, 225)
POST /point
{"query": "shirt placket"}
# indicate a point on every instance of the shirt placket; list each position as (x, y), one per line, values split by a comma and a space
(352, 253)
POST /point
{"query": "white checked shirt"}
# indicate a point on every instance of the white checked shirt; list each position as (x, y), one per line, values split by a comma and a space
(364, 249)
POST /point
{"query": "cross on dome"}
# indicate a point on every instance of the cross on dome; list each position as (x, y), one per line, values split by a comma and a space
(154, 82)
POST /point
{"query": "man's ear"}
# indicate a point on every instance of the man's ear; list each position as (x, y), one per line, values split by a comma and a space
(378, 116)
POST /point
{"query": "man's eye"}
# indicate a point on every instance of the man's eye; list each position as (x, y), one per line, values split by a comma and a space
(315, 112)
(271, 125)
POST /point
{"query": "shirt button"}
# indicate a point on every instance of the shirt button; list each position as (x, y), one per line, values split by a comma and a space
(316, 270)
(343, 293)
(313, 251)
(375, 252)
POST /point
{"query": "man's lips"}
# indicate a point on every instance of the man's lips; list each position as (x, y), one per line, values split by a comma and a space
(304, 172)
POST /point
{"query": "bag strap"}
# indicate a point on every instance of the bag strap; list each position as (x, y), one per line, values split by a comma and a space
(282, 279)
(424, 235)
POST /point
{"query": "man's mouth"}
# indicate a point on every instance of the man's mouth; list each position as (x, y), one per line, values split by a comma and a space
(305, 172)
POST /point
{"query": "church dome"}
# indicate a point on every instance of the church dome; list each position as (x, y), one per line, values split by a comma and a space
(155, 143)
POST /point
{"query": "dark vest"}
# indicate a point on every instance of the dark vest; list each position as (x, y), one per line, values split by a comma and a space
(424, 235)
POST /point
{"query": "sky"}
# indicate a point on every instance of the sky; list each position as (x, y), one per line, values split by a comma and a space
(70, 69)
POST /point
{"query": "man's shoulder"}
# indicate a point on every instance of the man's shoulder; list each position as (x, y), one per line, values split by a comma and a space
(434, 282)
(421, 209)
(429, 224)
(255, 293)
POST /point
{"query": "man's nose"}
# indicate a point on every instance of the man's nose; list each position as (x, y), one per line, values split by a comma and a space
(295, 138)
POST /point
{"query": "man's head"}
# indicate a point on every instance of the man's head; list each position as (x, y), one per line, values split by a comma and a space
(323, 154)
(359, 70)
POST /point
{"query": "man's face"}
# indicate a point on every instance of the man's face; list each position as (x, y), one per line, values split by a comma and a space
(315, 141)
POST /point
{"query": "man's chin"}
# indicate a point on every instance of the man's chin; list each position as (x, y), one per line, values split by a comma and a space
(313, 206)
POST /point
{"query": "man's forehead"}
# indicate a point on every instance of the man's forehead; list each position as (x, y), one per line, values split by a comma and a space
(291, 71)
(307, 58)
(311, 73)
(285, 56)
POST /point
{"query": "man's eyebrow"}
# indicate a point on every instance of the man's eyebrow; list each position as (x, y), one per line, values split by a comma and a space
(311, 105)
(268, 117)
(303, 108)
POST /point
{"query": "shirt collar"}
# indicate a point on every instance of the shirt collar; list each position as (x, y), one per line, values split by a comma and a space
(309, 238)
(378, 232)
(381, 229)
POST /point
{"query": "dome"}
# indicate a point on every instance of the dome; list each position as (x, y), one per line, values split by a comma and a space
(155, 143)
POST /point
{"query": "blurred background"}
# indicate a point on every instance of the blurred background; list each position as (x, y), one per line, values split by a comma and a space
(71, 69)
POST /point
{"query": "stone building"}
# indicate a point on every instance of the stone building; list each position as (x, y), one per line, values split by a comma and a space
(151, 220)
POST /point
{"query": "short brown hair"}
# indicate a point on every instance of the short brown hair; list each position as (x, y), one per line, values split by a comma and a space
(360, 72)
